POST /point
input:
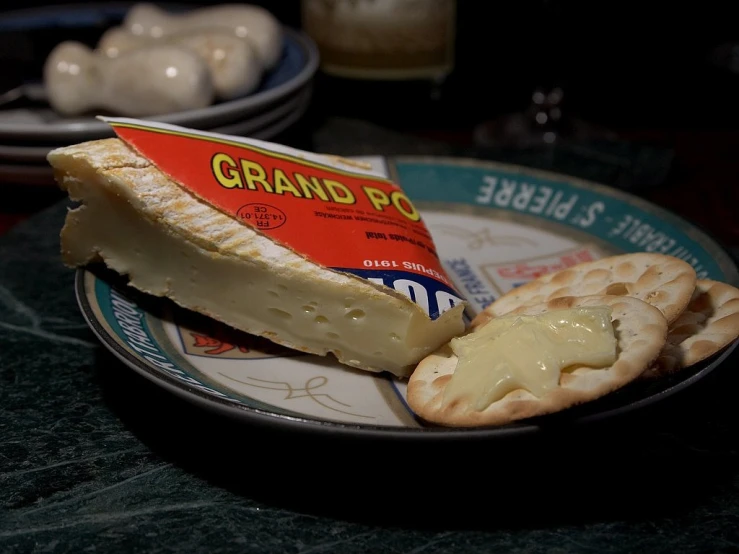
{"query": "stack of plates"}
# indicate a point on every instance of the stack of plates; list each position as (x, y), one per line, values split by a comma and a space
(27, 134)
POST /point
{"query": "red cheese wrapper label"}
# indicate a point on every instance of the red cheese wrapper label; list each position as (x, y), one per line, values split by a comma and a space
(351, 221)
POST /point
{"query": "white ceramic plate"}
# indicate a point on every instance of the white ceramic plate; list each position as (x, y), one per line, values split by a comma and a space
(495, 227)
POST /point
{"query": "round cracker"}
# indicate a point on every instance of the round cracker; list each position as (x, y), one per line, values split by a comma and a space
(708, 324)
(663, 281)
(641, 330)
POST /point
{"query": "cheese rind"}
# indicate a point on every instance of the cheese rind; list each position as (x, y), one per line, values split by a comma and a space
(170, 244)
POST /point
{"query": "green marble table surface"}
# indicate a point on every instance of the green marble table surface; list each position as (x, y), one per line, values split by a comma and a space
(94, 458)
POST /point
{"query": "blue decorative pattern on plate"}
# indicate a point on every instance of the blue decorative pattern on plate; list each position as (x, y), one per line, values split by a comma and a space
(495, 227)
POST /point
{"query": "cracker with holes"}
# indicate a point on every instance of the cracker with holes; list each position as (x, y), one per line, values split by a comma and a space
(707, 326)
(663, 281)
(537, 360)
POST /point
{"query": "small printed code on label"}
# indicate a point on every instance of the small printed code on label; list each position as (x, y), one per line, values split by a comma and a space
(262, 216)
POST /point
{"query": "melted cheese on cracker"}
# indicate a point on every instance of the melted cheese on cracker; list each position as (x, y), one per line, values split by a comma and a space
(529, 352)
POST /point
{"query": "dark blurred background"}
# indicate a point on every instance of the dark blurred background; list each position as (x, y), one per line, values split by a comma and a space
(622, 65)
(662, 77)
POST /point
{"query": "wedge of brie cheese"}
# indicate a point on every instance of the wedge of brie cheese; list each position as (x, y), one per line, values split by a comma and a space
(171, 244)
